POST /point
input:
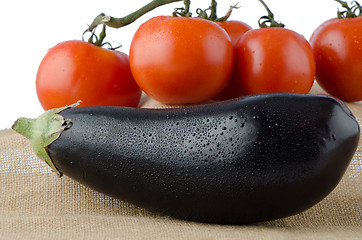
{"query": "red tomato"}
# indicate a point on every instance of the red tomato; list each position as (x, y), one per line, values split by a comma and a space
(235, 30)
(77, 70)
(181, 60)
(337, 46)
(274, 59)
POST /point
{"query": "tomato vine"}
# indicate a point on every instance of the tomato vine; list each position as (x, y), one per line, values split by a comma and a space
(213, 12)
(106, 20)
(99, 40)
(184, 11)
(124, 21)
(350, 12)
(268, 21)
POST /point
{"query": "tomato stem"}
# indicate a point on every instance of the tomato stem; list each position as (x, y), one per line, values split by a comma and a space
(213, 8)
(350, 12)
(183, 12)
(264, 20)
(213, 12)
(124, 21)
(99, 40)
(102, 36)
(228, 14)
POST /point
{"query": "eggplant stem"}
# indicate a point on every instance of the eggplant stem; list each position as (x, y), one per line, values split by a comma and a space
(43, 131)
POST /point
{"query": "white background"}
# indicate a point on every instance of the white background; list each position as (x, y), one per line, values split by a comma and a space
(30, 27)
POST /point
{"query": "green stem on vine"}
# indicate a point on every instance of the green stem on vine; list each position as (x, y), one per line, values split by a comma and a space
(358, 7)
(183, 12)
(213, 8)
(213, 12)
(124, 21)
(268, 19)
(350, 12)
(99, 40)
(228, 14)
(102, 36)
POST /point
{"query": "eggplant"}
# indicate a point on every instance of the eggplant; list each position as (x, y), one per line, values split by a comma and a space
(240, 161)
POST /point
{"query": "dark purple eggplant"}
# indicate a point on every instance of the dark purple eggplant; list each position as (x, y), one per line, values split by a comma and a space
(240, 161)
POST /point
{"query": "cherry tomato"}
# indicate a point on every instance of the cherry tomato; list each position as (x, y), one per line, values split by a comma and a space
(274, 59)
(337, 46)
(235, 30)
(181, 60)
(77, 70)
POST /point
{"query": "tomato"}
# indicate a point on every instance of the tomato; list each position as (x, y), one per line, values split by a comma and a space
(274, 59)
(235, 30)
(337, 46)
(77, 70)
(181, 60)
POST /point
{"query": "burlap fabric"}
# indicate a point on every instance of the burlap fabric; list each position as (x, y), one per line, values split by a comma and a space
(36, 204)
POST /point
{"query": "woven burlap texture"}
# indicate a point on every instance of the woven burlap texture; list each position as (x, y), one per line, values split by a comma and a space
(36, 204)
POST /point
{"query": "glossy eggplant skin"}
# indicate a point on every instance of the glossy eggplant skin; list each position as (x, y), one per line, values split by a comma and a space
(241, 161)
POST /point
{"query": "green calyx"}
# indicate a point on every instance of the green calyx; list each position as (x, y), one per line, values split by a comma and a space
(213, 12)
(99, 40)
(268, 21)
(184, 11)
(43, 131)
(349, 12)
